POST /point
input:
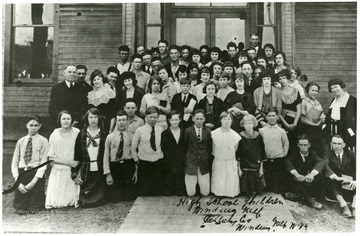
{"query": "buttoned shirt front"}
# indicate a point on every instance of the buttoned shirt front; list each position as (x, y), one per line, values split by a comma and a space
(40, 149)
(141, 141)
(111, 147)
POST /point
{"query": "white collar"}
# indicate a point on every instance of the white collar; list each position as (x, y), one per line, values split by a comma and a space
(69, 83)
(342, 101)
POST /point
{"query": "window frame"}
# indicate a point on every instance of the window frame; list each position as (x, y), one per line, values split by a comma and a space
(9, 46)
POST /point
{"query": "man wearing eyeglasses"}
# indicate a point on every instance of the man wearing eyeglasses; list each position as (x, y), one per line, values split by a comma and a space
(124, 64)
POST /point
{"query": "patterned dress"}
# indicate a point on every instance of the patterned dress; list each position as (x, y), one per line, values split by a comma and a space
(62, 190)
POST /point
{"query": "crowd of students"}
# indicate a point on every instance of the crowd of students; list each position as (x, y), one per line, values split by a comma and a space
(181, 121)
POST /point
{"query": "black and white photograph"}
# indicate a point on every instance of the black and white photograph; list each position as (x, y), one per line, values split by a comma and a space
(179, 117)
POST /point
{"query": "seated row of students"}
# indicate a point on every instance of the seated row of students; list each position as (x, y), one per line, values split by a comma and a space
(91, 168)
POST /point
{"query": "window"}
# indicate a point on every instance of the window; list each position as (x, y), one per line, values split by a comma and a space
(266, 22)
(32, 42)
(153, 24)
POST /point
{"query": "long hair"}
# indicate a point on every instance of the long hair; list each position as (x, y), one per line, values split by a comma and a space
(101, 119)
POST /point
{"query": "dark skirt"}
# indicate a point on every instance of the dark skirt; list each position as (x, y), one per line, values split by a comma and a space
(35, 198)
(250, 182)
(92, 191)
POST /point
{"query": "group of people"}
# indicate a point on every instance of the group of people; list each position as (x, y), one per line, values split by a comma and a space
(182, 121)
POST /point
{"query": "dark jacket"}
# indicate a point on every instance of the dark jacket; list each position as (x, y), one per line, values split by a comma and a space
(198, 153)
(218, 108)
(347, 166)
(177, 104)
(174, 153)
(312, 162)
(121, 95)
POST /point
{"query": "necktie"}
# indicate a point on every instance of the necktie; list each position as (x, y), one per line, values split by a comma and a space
(199, 134)
(120, 150)
(338, 156)
(184, 100)
(71, 85)
(28, 151)
(305, 158)
(152, 139)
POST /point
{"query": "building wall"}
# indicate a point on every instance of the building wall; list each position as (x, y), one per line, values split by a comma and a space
(325, 44)
(287, 31)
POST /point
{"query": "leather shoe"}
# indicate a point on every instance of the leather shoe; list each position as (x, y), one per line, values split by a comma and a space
(346, 212)
(314, 204)
(291, 196)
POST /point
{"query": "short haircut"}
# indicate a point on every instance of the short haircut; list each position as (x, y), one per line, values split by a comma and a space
(204, 47)
(216, 63)
(261, 67)
(173, 112)
(250, 49)
(205, 69)
(247, 63)
(130, 100)
(187, 47)
(79, 67)
(163, 41)
(231, 44)
(225, 75)
(166, 69)
(62, 113)
(191, 66)
(280, 53)
(269, 45)
(196, 111)
(272, 109)
(36, 118)
(128, 75)
(196, 52)
(249, 117)
(208, 84)
(137, 56)
(262, 57)
(124, 48)
(309, 85)
(225, 114)
(303, 137)
(155, 59)
(96, 112)
(140, 45)
(296, 69)
(243, 54)
(228, 64)
(285, 73)
(151, 110)
(185, 81)
(337, 136)
(121, 113)
(215, 49)
(112, 69)
(95, 73)
(158, 79)
(176, 47)
(147, 52)
(154, 49)
(266, 73)
(182, 69)
(336, 81)
(254, 34)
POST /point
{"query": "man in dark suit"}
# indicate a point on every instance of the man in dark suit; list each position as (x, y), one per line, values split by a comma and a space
(341, 174)
(306, 169)
(255, 42)
(198, 159)
(173, 66)
(69, 96)
(180, 102)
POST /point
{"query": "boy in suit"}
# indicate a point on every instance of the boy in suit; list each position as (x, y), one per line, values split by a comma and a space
(306, 169)
(173, 148)
(181, 102)
(30, 151)
(341, 174)
(198, 144)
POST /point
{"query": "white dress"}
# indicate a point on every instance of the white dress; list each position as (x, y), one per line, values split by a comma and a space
(225, 177)
(62, 190)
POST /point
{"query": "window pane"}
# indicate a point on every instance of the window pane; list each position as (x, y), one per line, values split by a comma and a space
(190, 31)
(33, 52)
(153, 34)
(229, 29)
(229, 4)
(268, 35)
(266, 13)
(153, 13)
(34, 14)
(198, 4)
